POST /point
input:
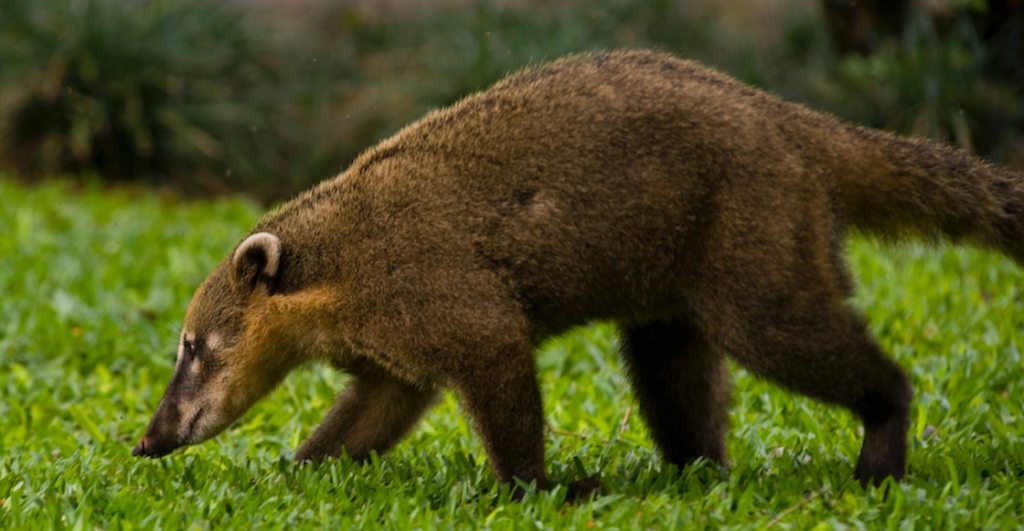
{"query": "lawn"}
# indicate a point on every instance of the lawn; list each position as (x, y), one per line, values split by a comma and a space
(93, 284)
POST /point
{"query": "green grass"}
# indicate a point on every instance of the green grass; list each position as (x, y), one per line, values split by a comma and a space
(93, 284)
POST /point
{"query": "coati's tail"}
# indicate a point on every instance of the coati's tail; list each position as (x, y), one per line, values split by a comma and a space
(893, 186)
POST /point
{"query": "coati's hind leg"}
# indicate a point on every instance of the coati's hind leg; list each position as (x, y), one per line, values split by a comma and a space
(680, 382)
(373, 412)
(821, 348)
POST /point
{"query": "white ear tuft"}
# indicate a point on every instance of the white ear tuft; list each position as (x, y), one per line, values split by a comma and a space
(257, 256)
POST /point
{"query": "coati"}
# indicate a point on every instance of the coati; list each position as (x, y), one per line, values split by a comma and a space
(704, 216)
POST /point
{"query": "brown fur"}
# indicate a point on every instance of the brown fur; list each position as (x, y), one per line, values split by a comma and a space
(703, 215)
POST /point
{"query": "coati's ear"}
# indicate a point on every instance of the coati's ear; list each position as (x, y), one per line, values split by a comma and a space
(257, 259)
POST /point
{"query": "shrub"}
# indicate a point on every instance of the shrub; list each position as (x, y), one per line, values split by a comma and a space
(149, 90)
(932, 86)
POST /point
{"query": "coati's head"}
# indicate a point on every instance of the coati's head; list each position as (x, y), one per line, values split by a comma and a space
(227, 359)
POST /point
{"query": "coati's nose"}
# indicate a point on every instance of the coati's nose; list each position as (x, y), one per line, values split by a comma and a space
(149, 446)
(144, 444)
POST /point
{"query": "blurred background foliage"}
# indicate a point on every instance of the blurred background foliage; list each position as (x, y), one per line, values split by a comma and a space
(267, 97)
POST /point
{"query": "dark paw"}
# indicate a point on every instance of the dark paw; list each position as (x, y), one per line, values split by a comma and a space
(884, 454)
(875, 468)
(876, 474)
(307, 454)
(583, 489)
(520, 489)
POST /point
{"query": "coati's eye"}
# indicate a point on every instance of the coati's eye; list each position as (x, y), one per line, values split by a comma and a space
(190, 348)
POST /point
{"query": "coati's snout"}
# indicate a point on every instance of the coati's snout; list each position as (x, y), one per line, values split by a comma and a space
(192, 408)
(225, 361)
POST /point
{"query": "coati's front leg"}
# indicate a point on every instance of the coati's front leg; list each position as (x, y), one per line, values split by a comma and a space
(503, 399)
(373, 412)
(464, 330)
(680, 382)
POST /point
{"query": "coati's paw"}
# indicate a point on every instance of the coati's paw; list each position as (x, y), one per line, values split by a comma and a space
(583, 490)
(884, 453)
(303, 458)
(875, 472)
(311, 453)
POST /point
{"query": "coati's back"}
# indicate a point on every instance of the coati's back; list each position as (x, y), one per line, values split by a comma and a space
(617, 160)
(593, 172)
